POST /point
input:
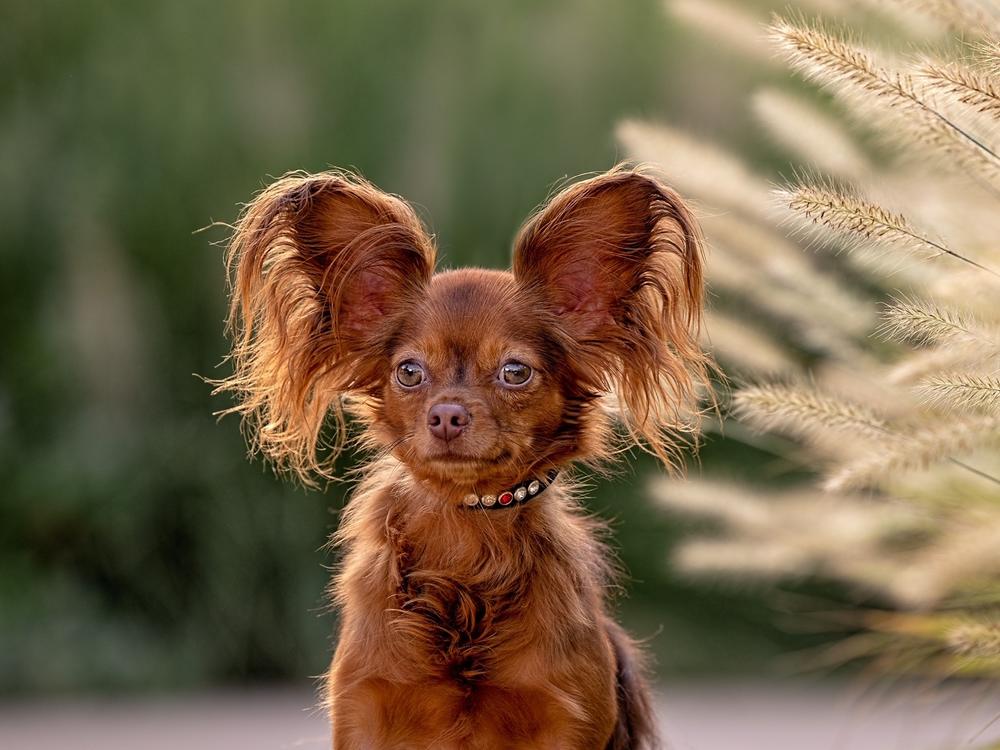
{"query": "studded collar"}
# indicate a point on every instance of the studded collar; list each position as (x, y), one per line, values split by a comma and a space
(519, 494)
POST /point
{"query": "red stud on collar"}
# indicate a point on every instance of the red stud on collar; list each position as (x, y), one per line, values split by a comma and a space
(505, 498)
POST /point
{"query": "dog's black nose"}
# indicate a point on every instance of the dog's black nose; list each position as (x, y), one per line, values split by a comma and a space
(446, 421)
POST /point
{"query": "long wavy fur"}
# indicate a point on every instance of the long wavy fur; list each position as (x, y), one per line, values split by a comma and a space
(300, 345)
(627, 234)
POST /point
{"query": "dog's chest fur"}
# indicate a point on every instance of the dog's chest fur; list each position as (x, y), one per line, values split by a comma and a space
(466, 627)
(463, 635)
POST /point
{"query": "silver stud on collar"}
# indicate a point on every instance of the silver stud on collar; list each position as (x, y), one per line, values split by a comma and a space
(471, 500)
(534, 486)
(489, 500)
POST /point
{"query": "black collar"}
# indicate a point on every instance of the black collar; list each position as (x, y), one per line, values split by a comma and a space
(519, 494)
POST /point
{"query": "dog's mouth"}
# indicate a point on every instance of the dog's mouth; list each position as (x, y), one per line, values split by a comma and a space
(455, 458)
(464, 451)
(466, 468)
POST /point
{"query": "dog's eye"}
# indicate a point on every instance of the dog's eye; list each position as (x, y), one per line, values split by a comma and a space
(515, 373)
(410, 374)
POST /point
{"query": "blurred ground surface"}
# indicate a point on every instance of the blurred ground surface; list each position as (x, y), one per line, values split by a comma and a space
(705, 716)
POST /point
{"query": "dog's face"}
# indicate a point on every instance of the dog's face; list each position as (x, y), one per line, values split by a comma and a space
(475, 387)
(470, 377)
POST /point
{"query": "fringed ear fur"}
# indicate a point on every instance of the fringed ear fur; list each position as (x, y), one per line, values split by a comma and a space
(617, 260)
(321, 265)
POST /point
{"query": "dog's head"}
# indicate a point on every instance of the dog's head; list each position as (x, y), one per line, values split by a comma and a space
(470, 377)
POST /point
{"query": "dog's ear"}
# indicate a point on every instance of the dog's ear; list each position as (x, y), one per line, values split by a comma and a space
(321, 267)
(617, 262)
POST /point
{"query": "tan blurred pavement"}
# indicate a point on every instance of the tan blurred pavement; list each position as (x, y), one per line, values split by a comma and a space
(695, 716)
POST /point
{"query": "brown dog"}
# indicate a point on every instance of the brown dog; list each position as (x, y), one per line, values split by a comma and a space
(472, 589)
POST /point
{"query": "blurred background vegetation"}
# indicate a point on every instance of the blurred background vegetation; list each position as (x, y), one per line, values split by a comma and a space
(138, 547)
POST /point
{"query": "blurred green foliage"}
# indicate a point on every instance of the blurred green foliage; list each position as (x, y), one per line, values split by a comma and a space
(138, 547)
